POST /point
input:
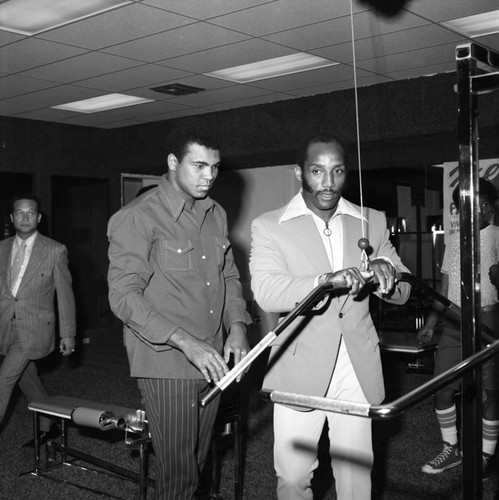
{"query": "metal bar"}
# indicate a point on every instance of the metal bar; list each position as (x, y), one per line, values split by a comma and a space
(100, 493)
(116, 469)
(64, 439)
(143, 472)
(482, 84)
(394, 408)
(315, 296)
(36, 434)
(468, 59)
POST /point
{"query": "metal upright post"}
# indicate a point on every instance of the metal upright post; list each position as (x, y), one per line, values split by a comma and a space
(470, 270)
(470, 58)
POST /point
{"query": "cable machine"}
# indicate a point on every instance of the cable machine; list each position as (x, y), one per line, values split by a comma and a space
(478, 73)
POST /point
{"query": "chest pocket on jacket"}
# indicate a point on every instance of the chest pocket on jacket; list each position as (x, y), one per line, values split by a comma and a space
(223, 245)
(177, 255)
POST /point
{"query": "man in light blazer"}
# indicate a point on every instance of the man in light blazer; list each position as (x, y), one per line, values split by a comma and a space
(312, 240)
(27, 313)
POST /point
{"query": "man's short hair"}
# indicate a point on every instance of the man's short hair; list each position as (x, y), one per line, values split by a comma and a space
(190, 132)
(319, 137)
(25, 196)
(485, 189)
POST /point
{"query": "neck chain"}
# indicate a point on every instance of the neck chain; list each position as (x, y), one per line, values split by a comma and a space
(326, 230)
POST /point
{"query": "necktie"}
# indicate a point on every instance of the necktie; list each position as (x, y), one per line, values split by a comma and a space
(17, 264)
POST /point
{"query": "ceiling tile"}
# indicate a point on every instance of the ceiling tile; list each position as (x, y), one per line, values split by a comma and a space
(490, 41)
(235, 54)
(121, 25)
(154, 42)
(391, 43)
(284, 15)
(339, 30)
(47, 114)
(204, 10)
(7, 37)
(13, 108)
(407, 60)
(144, 75)
(31, 53)
(81, 67)
(192, 38)
(226, 94)
(92, 120)
(15, 85)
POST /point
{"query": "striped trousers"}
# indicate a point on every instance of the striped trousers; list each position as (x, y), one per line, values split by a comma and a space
(181, 433)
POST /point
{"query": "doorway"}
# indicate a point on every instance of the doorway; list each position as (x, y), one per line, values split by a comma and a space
(80, 211)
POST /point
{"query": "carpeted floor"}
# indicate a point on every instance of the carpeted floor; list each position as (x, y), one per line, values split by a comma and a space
(100, 373)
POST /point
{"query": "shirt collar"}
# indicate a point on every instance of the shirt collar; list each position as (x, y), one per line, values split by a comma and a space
(297, 208)
(29, 241)
(178, 202)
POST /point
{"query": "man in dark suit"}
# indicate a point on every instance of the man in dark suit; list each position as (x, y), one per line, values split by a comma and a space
(32, 269)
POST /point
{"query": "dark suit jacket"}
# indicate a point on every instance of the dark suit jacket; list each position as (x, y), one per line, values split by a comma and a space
(47, 274)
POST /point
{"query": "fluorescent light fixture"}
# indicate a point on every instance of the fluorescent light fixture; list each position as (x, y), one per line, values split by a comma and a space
(102, 103)
(29, 17)
(475, 26)
(271, 68)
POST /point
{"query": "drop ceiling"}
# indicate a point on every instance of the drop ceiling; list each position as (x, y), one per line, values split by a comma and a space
(151, 43)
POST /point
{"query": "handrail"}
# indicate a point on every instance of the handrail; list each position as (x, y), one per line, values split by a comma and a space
(398, 406)
(310, 301)
(393, 408)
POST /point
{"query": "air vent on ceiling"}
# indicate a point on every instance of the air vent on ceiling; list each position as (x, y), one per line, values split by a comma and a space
(177, 89)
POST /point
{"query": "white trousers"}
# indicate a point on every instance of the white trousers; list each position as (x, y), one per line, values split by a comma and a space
(296, 438)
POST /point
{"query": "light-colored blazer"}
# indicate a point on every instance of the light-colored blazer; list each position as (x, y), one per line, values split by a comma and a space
(47, 274)
(286, 258)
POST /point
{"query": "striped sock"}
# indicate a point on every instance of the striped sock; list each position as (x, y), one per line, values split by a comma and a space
(447, 419)
(490, 431)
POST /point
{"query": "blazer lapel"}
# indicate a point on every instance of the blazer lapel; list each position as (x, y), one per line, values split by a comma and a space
(309, 240)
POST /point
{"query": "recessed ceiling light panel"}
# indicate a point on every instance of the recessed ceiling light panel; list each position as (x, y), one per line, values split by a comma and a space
(475, 26)
(29, 17)
(272, 68)
(102, 103)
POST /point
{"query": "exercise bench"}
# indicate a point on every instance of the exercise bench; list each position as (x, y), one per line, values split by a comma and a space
(101, 416)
